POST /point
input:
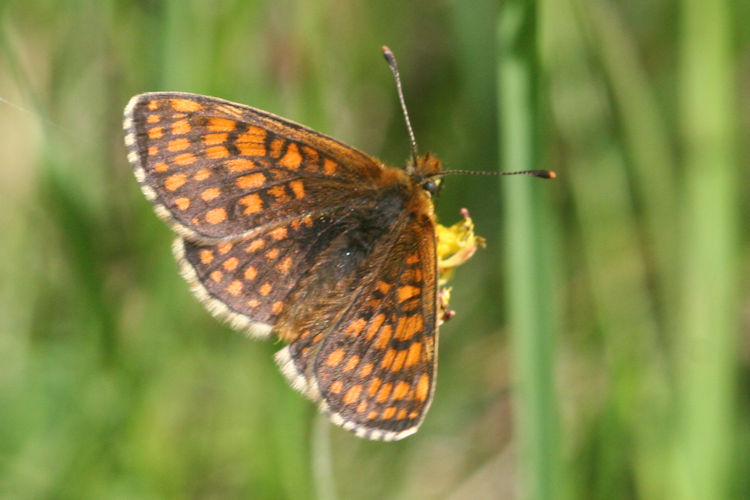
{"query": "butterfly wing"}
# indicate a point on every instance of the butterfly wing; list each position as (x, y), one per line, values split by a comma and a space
(217, 170)
(372, 363)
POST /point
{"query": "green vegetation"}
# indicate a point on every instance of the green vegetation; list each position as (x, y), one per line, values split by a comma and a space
(600, 350)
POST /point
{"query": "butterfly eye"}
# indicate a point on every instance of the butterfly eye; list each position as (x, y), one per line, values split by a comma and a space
(430, 186)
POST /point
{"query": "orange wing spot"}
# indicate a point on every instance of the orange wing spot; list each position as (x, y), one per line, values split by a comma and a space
(383, 287)
(279, 193)
(407, 292)
(225, 247)
(214, 139)
(310, 154)
(216, 216)
(414, 353)
(252, 142)
(409, 326)
(412, 275)
(398, 363)
(292, 158)
(235, 288)
(153, 118)
(284, 265)
(265, 289)
(161, 167)
(336, 387)
(388, 358)
(295, 224)
(175, 182)
(252, 203)
(276, 145)
(375, 325)
(374, 386)
(184, 159)
(217, 152)
(153, 105)
(250, 181)
(423, 387)
(155, 133)
(221, 125)
(372, 415)
(256, 245)
(413, 258)
(181, 127)
(329, 166)
(253, 303)
(152, 150)
(384, 337)
(280, 233)
(231, 263)
(236, 165)
(356, 327)
(207, 256)
(210, 194)
(250, 273)
(351, 363)
(202, 174)
(277, 306)
(401, 414)
(317, 337)
(361, 407)
(216, 276)
(366, 370)
(335, 358)
(298, 188)
(401, 390)
(182, 203)
(272, 254)
(352, 395)
(413, 415)
(185, 105)
(307, 221)
(389, 413)
(384, 392)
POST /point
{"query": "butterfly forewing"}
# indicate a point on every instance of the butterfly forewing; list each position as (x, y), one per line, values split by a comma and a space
(217, 170)
(374, 367)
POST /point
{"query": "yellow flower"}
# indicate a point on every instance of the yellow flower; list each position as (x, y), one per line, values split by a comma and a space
(455, 245)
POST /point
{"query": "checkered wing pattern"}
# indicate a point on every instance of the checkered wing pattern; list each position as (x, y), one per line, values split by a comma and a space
(216, 170)
(372, 364)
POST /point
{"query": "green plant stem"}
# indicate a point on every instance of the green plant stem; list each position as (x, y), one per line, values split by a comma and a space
(529, 303)
(708, 333)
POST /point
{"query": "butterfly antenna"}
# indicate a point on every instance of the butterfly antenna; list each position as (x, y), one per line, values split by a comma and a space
(391, 59)
(544, 174)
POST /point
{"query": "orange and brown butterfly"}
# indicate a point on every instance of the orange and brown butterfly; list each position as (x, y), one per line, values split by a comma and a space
(285, 231)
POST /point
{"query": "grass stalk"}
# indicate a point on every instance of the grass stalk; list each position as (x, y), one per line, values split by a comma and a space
(527, 243)
(709, 329)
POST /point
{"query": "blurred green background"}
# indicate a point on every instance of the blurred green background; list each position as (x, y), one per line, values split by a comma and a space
(601, 344)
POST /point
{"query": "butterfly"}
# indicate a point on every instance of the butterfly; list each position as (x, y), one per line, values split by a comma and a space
(285, 231)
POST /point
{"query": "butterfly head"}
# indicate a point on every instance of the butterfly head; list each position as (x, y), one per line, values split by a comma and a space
(424, 171)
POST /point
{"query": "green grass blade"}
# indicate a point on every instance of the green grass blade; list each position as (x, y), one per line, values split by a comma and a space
(708, 334)
(527, 246)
